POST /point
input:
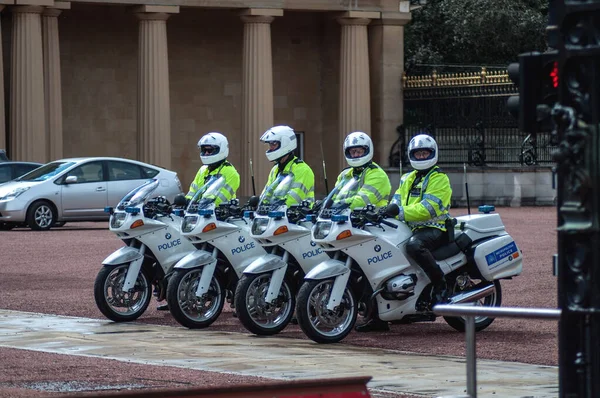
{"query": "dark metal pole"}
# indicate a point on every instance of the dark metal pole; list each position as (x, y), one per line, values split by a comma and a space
(577, 119)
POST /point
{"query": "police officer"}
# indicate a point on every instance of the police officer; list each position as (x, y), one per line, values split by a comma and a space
(374, 184)
(214, 149)
(424, 200)
(282, 143)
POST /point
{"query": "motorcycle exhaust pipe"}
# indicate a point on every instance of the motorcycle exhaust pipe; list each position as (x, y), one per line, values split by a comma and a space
(472, 295)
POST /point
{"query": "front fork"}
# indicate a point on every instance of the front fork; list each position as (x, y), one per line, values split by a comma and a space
(207, 274)
(339, 286)
(134, 270)
(277, 280)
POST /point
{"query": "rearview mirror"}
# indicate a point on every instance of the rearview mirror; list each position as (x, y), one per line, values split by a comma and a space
(180, 201)
(392, 210)
(71, 180)
(253, 201)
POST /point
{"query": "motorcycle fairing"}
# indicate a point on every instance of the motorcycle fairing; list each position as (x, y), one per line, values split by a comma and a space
(266, 263)
(123, 255)
(327, 269)
(196, 259)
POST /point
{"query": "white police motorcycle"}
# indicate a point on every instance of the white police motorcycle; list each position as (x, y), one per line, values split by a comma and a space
(265, 295)
(123, 286)
(370, 271)
(204, 279)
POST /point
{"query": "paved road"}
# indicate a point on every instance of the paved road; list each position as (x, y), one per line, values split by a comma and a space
(275, 358)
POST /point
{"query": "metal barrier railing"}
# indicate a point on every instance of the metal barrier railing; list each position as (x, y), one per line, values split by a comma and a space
(470, 312)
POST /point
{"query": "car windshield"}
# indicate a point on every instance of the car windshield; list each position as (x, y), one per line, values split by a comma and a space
(276, 193)
(138, 195)
(336, 202)
(207, 194)
(46, 171)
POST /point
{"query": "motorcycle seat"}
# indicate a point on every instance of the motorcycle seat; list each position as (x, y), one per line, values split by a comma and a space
(446, 251)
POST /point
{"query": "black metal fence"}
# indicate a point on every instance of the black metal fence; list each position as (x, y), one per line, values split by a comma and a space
(467, 115)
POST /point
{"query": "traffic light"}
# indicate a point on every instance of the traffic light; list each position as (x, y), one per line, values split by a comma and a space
(536, 76)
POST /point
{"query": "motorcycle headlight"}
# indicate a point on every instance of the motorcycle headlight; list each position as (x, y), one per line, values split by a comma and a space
(13, 194)
(189, 223)
(117, 219)
(322, 229)
(259, 225)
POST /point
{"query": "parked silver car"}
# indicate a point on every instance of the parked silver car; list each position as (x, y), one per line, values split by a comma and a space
(77, 189)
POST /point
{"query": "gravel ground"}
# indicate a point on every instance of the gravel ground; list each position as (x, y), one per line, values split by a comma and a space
(53, 272)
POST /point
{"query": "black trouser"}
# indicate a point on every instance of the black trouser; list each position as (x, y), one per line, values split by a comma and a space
(419, 248)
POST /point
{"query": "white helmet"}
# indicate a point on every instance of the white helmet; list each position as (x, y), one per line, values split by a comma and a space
(218, 146)
(358, 139)
(286, 139)
(420, 142)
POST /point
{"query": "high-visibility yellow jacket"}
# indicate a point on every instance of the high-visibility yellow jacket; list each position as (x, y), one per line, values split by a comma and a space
(227, 171)
(303, 187)
(374, 185)
(424, 202)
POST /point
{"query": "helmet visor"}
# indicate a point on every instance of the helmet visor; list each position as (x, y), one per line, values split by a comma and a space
(273, 145)
(208, 150)
(354, 152)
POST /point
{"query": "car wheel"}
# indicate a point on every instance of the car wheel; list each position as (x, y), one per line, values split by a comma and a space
(41, 216)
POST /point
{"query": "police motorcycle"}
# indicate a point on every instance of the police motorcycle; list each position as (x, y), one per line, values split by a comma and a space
(265, 295)
(369, 270)
(150, 230)
(204, 279)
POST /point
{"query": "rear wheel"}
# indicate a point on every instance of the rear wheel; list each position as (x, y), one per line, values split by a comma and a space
(319, 323)
(117, 304)
(256, 314)
(188, 309)
(481, 322)
(41, 216)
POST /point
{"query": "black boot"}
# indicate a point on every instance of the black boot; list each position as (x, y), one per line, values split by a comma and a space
(373, 325)
(163, 307)
(440, 293)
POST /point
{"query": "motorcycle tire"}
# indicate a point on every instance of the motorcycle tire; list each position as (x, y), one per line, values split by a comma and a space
(258, 316)
(481, 322)
(189, 310)
(316, 321)
(110, 298)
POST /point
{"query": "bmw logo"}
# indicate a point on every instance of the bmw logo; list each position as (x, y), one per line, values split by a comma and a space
(168, 236)
(241, 239)
(377, 248)
(312, 243)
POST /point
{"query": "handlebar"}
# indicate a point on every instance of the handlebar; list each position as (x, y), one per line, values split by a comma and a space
(361, 216)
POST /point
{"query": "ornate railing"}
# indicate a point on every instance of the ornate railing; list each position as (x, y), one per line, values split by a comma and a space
(467, 114)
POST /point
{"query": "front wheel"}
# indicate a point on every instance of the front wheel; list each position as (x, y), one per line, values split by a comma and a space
(188, 309)
(481, 322)
(41, 216)
(117, 304)
(319, 323)
(256, 314)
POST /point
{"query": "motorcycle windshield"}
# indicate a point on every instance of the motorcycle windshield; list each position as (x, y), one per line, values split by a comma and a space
(276, 194)
(138, 195)
(340, 198)
(207, 194)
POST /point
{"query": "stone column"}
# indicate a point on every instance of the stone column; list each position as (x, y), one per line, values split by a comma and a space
(27, 114)
(257, 95)
(154, 114)
(52, 80)
(386, 47)
(355, 98)
(3, 140)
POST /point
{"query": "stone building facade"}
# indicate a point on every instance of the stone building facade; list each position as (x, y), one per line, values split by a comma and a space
(145, 80)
